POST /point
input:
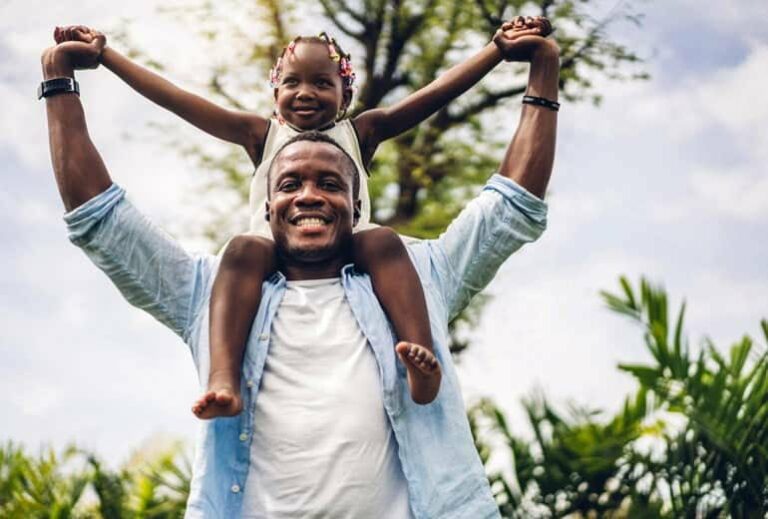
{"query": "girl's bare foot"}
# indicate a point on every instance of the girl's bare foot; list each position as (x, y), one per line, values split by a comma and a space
(218, 401)
(424, 372)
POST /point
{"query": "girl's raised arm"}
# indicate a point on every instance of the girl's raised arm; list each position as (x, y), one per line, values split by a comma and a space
(379, 124)
(234, 126)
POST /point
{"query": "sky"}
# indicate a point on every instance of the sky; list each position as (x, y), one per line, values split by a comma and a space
(665, 179)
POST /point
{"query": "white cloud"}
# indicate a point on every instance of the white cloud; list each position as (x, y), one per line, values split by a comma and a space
(736, 194)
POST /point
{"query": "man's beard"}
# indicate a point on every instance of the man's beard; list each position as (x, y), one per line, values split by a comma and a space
(312, 256)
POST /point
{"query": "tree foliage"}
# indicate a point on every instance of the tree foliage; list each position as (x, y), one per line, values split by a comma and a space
(421, 179)
(690, 443)
(75, 484)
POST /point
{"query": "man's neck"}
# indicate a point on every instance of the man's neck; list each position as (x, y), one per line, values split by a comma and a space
(297, 271)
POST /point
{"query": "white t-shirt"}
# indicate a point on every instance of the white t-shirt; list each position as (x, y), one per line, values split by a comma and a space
(322, 444)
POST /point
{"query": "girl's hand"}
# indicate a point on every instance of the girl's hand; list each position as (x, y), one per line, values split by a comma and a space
(522, 37)
(77, 47)
(528, 23)
(79, 33)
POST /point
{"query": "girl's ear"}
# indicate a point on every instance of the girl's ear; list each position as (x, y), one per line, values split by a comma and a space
(346, 100)
(274, 91)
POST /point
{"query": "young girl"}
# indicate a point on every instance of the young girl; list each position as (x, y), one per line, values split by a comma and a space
(312, 82)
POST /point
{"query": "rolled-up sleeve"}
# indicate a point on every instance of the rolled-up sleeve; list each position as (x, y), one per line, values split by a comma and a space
(502, 218)
(148, 267)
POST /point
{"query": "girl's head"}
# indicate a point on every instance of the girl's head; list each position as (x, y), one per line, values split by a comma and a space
(312, 80)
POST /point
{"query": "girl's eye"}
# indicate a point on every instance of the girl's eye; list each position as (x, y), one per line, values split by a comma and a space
(289, 81)
(323, 83)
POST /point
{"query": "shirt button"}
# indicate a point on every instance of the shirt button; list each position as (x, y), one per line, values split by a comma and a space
(249, 383)
(235, 488)
(263, 336)
(243, 437)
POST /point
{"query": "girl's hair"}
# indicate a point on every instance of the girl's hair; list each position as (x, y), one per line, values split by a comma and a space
(335, 53)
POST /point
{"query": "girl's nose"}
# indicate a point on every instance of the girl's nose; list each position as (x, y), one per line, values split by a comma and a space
(305, 93)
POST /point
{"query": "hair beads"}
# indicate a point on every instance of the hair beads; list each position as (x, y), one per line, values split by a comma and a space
(335, 53)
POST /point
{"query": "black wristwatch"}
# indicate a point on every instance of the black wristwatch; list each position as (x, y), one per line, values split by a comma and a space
(56, 86)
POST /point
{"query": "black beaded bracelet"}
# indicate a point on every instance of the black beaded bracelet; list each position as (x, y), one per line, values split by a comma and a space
(540, 101)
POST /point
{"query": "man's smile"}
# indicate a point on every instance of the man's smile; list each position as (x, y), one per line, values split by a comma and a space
(310, 222)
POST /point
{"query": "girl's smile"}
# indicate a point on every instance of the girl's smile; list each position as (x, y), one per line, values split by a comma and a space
(310, 94)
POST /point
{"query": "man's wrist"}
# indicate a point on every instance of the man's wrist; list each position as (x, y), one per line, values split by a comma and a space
(548, 52)
(545, 73)
(56, 64)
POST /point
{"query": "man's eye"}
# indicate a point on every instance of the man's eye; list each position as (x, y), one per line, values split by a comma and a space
(288, 185)
(331, 186)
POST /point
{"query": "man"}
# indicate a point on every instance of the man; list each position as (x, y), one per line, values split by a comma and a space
(327, 429)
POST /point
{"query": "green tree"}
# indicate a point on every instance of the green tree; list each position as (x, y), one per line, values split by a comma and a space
(420, 180)
(690, 443)
(53, 486)
(423, 178)
(717, 463)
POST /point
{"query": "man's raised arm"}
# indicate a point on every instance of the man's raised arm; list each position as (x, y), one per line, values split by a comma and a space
(530, 155)
(148, 267)
(509, 212)
(80, 172)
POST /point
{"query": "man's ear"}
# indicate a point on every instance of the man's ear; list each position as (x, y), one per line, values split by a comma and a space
(356, 212)
(266, 209)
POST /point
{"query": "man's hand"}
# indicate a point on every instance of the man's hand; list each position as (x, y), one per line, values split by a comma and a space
(79, 33)
(524, 38)
(78, 47)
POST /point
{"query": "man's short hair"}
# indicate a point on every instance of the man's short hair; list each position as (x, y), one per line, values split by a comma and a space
(316, 136)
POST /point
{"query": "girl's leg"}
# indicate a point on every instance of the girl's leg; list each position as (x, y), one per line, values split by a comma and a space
(381, 253)
(235, 299)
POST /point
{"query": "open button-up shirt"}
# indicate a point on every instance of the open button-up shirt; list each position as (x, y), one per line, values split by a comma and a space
(443, 471)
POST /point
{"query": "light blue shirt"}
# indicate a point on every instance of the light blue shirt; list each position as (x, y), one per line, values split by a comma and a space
(441, 466)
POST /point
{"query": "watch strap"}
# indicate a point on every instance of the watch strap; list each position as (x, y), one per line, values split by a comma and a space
(58, 85)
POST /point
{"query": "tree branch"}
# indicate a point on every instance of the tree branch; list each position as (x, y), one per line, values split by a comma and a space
(346, 9)
(217, 88)
(489, 100)
(330, 13)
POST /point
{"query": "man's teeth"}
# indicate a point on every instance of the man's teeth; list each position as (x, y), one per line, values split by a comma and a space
(305, 222)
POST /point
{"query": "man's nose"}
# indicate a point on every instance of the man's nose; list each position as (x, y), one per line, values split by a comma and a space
(309, 195)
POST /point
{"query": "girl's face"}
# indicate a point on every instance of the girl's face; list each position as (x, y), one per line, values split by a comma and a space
(310, 94)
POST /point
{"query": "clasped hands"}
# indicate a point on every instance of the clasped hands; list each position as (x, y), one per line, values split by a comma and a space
(524, 38)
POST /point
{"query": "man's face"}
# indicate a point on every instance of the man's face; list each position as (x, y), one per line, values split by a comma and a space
(311, 209)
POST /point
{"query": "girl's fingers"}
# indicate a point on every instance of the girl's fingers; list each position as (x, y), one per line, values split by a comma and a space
(514, 35)
(83, 35)
(546, 25)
